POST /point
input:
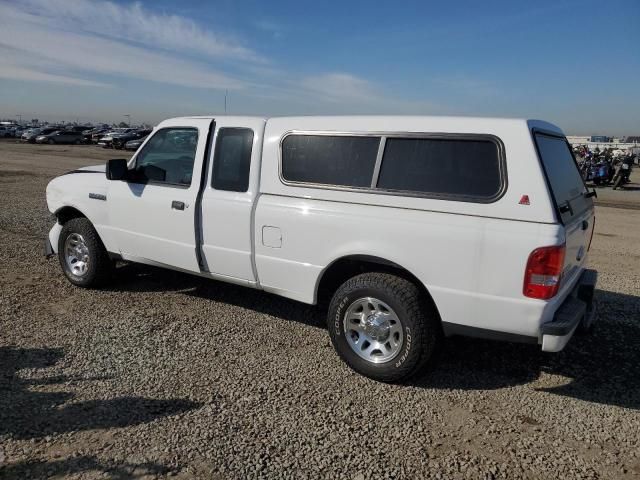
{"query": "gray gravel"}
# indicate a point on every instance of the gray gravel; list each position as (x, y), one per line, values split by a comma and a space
(168, 375)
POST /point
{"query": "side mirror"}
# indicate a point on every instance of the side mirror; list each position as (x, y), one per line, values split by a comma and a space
(117, 169)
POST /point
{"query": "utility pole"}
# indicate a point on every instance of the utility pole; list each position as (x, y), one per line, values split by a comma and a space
(128, 119)
(226, 92)
(19, 118)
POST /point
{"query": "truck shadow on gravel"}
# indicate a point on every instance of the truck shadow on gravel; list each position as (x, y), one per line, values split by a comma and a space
(602, 367)
(27, 412)
(144, 278)
(82, 465)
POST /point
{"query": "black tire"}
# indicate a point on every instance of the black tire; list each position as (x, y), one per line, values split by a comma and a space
(417, 315)
(99, 267)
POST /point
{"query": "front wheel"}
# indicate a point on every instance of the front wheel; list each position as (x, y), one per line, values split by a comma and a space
(382, 326)
(84, 260)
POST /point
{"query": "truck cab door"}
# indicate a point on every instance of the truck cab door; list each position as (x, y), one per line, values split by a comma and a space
(228, 199)
(152, 214)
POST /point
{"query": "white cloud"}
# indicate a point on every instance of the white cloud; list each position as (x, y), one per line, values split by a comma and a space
(37, 37)
(98, 43)
(134, 23)
(13, 72)
(15, 65)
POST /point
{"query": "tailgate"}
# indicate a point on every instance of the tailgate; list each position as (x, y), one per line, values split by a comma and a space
(577, 238)
(574, 207)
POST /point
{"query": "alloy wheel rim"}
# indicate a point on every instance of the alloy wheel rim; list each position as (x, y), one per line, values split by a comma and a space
(76, 254)
(373, 330)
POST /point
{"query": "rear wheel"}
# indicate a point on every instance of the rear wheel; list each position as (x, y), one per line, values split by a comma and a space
(382, 326)
(84, 260)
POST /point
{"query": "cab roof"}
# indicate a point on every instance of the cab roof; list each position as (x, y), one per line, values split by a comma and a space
(377, 119)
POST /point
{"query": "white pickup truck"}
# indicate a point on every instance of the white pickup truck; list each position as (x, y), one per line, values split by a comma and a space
(413, 228)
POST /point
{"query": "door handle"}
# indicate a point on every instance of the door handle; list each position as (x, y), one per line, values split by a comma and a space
(176, 205)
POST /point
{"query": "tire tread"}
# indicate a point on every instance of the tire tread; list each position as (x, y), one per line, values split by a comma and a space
(426, 329)
(101, 272)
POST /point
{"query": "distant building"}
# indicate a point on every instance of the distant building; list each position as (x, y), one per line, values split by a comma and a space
(632, 139)
(578, 139)
(600, 139)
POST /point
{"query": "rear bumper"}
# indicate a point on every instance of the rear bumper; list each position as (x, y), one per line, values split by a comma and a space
(577, 311)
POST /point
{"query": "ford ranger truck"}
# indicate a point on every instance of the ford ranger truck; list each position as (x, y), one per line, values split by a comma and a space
(406, 229)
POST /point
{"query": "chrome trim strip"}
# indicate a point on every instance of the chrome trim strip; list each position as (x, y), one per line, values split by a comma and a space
(376, 168)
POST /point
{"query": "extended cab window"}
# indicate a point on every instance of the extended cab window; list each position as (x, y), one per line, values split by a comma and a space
(167, 157)
(563, 175)
(232, 159)
(465, 168)
(329, 160)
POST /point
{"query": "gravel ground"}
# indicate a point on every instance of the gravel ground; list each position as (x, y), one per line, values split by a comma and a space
(168, 375)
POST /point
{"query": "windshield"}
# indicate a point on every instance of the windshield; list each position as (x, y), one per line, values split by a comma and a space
(563, 175)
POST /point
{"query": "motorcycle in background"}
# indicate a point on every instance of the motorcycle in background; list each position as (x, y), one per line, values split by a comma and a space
(599, 172)
(622, 171)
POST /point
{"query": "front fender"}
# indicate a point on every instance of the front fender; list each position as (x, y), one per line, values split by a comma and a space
(85, 191)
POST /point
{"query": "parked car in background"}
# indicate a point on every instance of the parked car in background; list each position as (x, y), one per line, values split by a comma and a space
(5, 132)
(405, 226)
(135, 144)
(88, 134)
(28, 132)
(18, 131)
(80, 128)
(99, 133)
(107, 140)
(31, 137)
(60, 136)
(9, 129)
(119, 141)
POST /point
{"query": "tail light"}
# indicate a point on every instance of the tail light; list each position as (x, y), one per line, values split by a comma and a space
(544, 271)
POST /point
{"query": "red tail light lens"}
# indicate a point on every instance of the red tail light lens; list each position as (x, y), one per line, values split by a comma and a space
(544, 271)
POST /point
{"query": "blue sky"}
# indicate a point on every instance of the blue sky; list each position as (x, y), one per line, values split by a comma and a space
(575, 63)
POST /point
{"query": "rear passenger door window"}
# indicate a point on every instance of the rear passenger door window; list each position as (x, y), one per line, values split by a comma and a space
(466, 168)
(232, 159)
(346, 160)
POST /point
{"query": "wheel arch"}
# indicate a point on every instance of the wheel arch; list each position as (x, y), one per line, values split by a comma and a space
(343, 268)
(67, 212)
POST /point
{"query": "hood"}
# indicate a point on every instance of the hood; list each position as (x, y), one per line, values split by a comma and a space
(94, 168)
